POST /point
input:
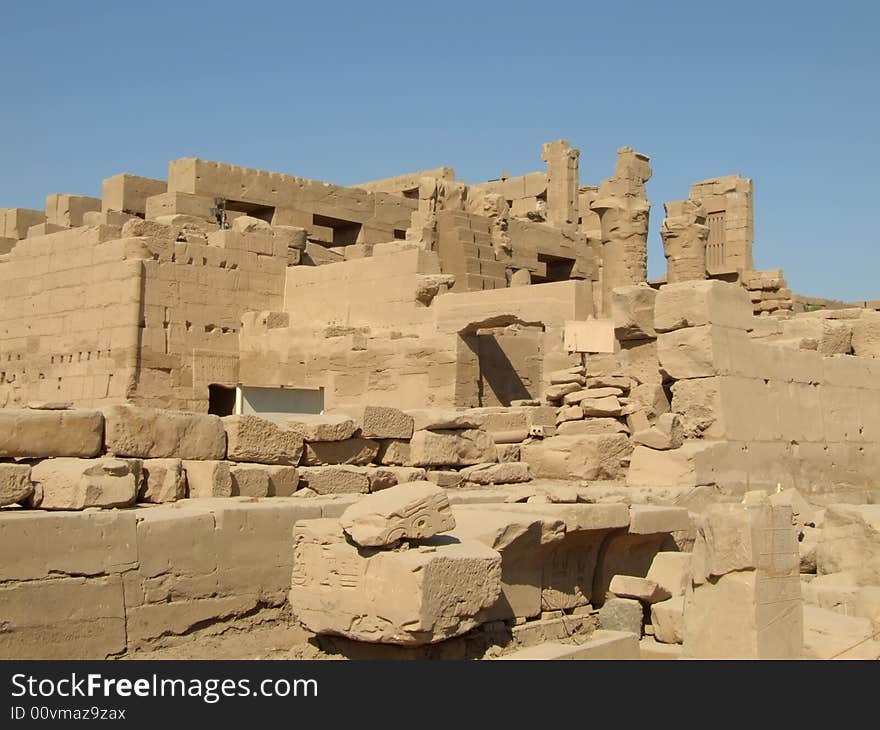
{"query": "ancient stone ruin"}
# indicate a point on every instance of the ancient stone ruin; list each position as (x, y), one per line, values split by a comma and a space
(246, 414)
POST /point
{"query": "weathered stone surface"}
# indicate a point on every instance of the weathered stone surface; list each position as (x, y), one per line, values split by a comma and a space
(509, 473)
(357, 451)
(448, 479)
(412, 510)
(442, 420)
(394, 452)
(667, 618)
(15, 483)
(249, 438)
(558, 392)
(208, 478)
(600, 407)
(322, 428)
(851, 542)
(632, 309)
(695, 303)
(622, 614)
(249, 480)
(151, 433)
(283, 480)
(577, 457)
(76, 618)
(334, 479)
(383, 422)
(69, 483)
(591, 427)
(452, 448)
(591, 394)
(602, 644)
(560, 377)
(641, 589)
(569, 413)
(671, 571)
(666, 433)
(866, 335)
(650, 648)
(382, 477)
(164, 481)
(410, 597)
(831, 635)
(39, 433)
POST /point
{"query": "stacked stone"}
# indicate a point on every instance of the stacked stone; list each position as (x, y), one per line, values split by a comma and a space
(769, 292)
(380, 573)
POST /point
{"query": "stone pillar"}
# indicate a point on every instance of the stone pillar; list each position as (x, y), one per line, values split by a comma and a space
(745, 602)
(562, 182)
(684, 234)
(623, 208)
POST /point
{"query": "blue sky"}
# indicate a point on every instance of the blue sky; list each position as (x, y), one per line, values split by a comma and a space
(787, 93)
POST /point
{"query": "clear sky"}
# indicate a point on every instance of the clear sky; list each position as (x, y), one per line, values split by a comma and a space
(787, 93)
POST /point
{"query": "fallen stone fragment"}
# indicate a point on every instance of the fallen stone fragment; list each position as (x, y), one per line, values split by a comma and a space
(622, 614)
(667, 618)
(509, 473)
(322, 428)
(412, 510)
(641, 589)
(410, 597)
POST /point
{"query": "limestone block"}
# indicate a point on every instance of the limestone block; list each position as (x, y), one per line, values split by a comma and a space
(452, 448)
(410, 597)
(600, 407)
(866, 335)
(447, 479)
(698, 403)
(507, 452)
(744, 615)
(443, 420)
(334, 479)
(68, 210)
(667, 433)
(509, 473)
(383, 422)
(209, 478)
(623, 382)
(151, 433)
(54, 544)
(736, 537)
(700, 352)
(671, 571)
(394, 452)
(77, 618)
(632, 309)
(622, 614)
(283, 480)
(412, 511)
(129, 193)
(688, 466)
(569, 413)
(667, 618)
(830, 338)
(322, 428)
(831, 635)
(69, 483)
(164, 481)
(602, 644)
(577, 457)
(382, 477)
(358, 451)
(851, 542)
(293, 237)
(640, 589)
(572, 375)
(591, 426)
(15, 483)
(558, 392)
(41, 434)
(249, 480)
(249, 438)
(695, 303)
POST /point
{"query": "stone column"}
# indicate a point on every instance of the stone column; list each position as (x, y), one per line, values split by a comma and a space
(684, 234)
(623, 209)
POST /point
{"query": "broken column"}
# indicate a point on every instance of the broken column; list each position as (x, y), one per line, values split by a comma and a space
(623, 208)
(562, 182)
(684, 234)
(745, 602)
